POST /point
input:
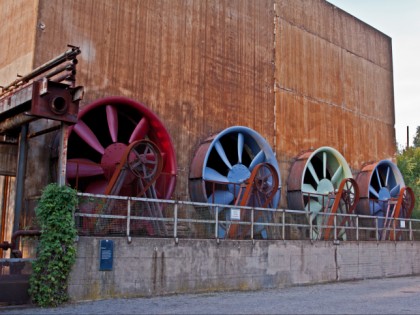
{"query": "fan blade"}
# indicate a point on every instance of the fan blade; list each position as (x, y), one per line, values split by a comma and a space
(84, 132)
(308, 188)
(373, 191)
(313, 206)
(240, 147)
(395, 191)
(337, 174)
(82, 168)
(313, 172)
(259, 158)
(379, 179)
(112, 118)
(213, 175)
(324, 164)
(140, 131)
(387, 176)
(224, 197)
(222, 154)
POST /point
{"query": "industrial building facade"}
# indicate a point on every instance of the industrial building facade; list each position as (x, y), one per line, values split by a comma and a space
(303, 74)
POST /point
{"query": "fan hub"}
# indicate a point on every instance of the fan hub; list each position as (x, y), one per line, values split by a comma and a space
(324, 187)
(112, 157)
(384, 194)
(238, 174)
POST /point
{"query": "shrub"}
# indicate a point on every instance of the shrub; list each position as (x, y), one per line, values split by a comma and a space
(56, 250)
(408, 163)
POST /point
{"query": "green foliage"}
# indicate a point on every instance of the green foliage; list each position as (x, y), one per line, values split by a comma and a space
(416, 141)
(408, 163)
(56, 251)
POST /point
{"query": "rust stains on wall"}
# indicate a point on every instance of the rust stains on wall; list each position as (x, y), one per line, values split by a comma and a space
(301, 73)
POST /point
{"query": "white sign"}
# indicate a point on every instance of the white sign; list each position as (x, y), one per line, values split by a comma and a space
(402, 224)
(235, 214)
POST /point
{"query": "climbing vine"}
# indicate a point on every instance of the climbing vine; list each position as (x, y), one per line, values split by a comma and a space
(56, 251)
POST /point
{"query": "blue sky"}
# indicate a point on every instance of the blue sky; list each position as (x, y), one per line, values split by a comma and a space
(400, 20)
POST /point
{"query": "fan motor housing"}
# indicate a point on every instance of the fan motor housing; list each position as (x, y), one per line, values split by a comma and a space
(54, 100)
(43, 99)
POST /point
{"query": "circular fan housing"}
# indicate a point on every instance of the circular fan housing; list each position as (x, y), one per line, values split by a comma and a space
(104, 130)
(314, 175)
(378, 182)
(225, 161)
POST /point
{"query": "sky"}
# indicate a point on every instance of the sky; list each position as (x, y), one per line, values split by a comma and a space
(400, 20)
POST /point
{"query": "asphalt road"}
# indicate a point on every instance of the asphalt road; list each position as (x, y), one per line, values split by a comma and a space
(372, 296)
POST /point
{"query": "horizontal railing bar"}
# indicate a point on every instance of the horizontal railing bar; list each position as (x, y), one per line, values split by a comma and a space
(169, 218)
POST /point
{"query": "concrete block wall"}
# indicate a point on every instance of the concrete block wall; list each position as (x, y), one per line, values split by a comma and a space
(147, 267)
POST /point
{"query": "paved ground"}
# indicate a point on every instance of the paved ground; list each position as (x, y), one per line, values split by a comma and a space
(379, 296)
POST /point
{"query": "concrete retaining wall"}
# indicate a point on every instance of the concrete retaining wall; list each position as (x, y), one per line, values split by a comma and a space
(148, 267)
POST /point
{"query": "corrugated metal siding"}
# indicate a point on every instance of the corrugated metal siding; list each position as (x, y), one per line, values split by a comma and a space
(333, 84)
(17, 41)
(17, 38)
(201, 66)
(338, 27)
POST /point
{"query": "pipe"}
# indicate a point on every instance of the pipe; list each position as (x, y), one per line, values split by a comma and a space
(3, 209)
(66, 67)
(62, 154)
(20, 176)
(66, 76)
(68, 55)
(15, 122)
(13, 245)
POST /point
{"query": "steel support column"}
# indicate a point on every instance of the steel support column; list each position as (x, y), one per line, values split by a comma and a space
(20, 176)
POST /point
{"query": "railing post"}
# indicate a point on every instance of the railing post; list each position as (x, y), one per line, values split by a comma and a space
(335, 227)
(128, 219)
(283, 228)
(357, 228)
(394, 227)
(377, 229)
(252, 223)
(310, 227)
(176, 220)
(216, 228)
(410, 231)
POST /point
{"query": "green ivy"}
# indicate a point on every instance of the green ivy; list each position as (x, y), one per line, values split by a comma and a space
(56, 251)
(408, 162)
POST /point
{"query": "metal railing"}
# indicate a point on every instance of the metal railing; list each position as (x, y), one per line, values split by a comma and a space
(101, 215)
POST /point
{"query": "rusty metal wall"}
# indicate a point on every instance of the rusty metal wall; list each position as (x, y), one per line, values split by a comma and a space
(201, 66)
(333, 84)
(301, 73)
(17, 41)
(17, 38)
